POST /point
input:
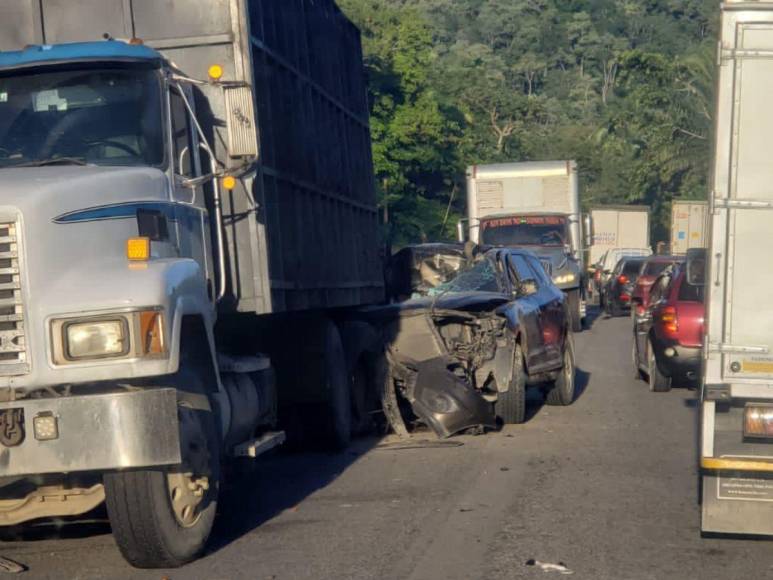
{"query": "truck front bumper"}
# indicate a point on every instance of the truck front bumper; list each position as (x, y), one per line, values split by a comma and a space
(94, 433)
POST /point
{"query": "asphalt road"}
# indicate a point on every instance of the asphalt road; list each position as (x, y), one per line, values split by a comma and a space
(607, 486)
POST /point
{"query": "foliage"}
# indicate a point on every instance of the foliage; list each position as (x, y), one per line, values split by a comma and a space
(623, 86)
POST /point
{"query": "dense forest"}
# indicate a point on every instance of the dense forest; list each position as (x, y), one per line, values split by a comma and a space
(625, 87)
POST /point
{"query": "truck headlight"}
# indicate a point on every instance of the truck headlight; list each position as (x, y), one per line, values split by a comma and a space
(137, 334)
(564, 278)
(97, 339)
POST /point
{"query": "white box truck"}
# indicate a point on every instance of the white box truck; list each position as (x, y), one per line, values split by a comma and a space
(534, 205)
(688, 225)
(736, 443)
(618, 226)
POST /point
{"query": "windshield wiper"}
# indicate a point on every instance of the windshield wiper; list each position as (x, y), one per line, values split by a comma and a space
(54, 161)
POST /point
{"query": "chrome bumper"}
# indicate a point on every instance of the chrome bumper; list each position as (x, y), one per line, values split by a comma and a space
(97, 433)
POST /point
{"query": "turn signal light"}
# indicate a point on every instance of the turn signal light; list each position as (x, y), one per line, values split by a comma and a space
(669, 319)
(758, 421)
(623, 279)
(138, 248)
(229, 182)
(151, 332)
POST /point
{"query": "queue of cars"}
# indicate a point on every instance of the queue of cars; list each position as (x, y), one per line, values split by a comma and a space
(665, 298)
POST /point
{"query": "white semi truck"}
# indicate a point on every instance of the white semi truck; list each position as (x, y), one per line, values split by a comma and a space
(688, 225)
(185, 215)
(534, 205)
(736, 443)
(618, 226)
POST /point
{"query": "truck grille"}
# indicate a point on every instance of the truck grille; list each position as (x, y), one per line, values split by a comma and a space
(13, 345)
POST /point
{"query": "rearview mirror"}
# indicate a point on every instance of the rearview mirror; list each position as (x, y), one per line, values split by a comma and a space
(696, 272)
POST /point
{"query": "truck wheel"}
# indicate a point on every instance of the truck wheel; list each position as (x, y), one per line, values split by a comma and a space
(162, 517)
(563, 391)
(573, 302)
(659, 383)
(511, 405)
(338, 388)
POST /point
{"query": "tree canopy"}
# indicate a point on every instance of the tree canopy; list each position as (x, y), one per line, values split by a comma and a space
(625, 87)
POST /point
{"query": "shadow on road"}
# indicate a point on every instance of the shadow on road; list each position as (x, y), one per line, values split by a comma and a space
(592, 314)
(274, 484)
(535, 398)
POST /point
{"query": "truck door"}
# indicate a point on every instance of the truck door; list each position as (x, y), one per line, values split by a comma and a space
(191, 223)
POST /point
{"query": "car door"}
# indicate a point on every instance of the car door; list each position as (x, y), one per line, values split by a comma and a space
(554, 313)
(528, 309)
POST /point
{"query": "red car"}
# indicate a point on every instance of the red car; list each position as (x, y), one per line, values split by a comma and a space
(668, 336)
(653, 267)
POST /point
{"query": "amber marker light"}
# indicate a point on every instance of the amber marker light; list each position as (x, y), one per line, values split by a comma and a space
(215, 72)
(138, 249)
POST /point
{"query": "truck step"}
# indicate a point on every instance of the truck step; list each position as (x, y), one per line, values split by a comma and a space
(260, 445)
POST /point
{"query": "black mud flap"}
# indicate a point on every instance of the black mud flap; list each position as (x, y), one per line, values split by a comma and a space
(446, 402)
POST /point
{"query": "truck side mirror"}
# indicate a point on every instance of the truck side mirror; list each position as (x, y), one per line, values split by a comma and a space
(587, 229)
(240, 121)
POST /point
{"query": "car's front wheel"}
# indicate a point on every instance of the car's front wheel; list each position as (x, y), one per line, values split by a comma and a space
(510, 406)
(563, 390)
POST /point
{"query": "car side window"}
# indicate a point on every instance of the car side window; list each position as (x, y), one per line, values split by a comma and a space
(181, 136)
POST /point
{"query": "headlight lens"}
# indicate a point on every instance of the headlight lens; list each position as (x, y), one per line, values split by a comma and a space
(96, 339)
(564, 279)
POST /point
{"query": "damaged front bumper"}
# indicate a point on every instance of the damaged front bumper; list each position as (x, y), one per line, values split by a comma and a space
(446, 402)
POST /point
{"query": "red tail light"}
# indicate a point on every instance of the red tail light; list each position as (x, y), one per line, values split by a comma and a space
(623, 279)
(670, 320)
(640, 310)
(597, 275)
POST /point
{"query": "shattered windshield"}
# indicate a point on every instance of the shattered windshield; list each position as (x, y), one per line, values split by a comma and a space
(98, 116)
(481, 277)
(525, 231)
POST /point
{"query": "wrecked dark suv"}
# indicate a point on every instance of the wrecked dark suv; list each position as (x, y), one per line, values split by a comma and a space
(462, 356)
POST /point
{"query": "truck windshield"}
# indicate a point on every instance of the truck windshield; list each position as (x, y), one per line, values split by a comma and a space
(524, 231)
(90, 116)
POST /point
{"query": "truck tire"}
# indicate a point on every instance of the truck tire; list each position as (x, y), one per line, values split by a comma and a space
(511, 405)
(162, 517)
(659, 383)
(563, 391)
(338, 389)
(573, 303)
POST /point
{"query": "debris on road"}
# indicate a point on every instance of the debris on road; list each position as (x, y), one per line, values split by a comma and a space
(548, 567)
(11, 567)
(422, 444)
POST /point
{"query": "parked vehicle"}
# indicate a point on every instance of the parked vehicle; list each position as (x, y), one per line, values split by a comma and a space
(603, 269)
(464, 355)
(688, 225)
(668, 335)
(618, 226)
(736, 455)
(616, 294)
(534, 205)
(166, 252)
(651, 268)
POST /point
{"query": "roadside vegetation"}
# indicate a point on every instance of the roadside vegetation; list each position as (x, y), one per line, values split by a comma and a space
(625, 87)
